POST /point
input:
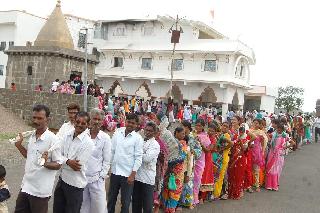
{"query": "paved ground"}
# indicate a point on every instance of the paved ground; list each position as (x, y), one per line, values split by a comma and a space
(299, 189)
(299, 186)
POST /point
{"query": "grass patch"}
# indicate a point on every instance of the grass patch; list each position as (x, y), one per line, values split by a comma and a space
(6, 136)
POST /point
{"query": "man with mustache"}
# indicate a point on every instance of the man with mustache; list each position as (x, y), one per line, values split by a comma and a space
(76, 149)
(72, 109)
(38, 180)
(126, 159)
(94, 195)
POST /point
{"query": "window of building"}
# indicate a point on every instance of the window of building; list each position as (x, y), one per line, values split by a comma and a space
(11, 43)
(97, 31)
(120, 30)
(148, 29)
(242, 70)
(29, 69)
(1, 70)
(3, 45)
(146, 63)
(177, 64)
(101, 31)
(210, 65)
(117, 62)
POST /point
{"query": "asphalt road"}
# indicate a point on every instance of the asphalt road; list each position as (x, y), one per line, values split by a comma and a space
(299, 189)
(299, 186)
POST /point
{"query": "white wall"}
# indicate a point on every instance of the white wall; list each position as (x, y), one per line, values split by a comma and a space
(18, 27)
(267, 103)
(74, 25)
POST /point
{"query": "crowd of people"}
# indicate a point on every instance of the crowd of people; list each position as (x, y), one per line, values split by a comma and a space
(155, 156)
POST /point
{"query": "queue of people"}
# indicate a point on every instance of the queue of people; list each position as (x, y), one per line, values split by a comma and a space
(156, 163)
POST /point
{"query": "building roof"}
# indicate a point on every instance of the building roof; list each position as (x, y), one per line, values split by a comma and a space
(55, 32)
(262, 90)
(168, 19)
(77, 17)
(208, 45)
(21, 11)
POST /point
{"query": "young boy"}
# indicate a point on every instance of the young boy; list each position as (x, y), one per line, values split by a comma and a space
(4, 191)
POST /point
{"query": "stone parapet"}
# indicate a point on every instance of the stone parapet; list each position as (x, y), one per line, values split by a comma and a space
(21, 102)
(55, 51)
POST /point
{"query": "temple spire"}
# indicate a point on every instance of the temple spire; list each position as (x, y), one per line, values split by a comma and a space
(55, 31)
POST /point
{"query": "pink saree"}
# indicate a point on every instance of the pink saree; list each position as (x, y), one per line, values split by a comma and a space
(275, 161)
(199, 167)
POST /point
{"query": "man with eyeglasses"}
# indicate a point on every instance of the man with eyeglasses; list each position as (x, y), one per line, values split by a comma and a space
(72, 109)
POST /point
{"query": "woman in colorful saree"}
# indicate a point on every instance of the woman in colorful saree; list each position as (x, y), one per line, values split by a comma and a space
(258, 150)
(207, 181)
(203, 139)
(174, 177)
(221, 160)
(240, 165)
(237, 164)
(186, 199)
(275, 159)
(161, 168)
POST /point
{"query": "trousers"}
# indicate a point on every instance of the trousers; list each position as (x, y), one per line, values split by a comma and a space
(67, 198)
(30, 204)
(142, 197)
(94, 198)
(118, 182)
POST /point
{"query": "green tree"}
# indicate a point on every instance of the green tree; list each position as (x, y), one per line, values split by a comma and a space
(290, 98)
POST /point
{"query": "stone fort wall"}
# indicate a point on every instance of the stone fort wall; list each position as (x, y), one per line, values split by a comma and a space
(22, 101)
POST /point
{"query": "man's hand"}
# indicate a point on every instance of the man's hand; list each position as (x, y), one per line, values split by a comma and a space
(45, 156)
(74, 164)
(131, 178)
(20, 140)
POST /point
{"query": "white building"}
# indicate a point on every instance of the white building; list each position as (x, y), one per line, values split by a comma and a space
(136, 56)
(261, 98)
(16, 28)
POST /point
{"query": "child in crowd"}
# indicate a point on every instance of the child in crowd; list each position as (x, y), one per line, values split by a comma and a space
(4, 191)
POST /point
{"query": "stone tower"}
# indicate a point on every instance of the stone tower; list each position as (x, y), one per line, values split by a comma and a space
(52, 57)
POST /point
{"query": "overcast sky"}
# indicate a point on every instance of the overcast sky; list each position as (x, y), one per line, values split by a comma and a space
(283, 33)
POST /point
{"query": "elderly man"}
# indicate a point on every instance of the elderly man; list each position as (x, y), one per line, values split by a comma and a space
(142, 197)
(38, 180)
(72, 109)
(94, 194)
(76, 150)
(126, 159)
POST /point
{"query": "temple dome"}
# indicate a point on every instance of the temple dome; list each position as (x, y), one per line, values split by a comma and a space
(55, 32)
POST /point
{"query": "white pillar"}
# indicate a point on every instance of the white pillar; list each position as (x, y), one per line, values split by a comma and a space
(224, 110)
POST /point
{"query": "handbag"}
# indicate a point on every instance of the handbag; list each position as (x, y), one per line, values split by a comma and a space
(172, 182)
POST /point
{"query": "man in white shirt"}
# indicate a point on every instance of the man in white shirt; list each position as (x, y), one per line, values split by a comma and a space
(76, 149)
(94, 194)
(316, 125)
(72, 109)
(126, 159)
(38, 180)
(142, 196)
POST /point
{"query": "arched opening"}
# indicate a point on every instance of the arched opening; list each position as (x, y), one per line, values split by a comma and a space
(116, 89)
(208, 96)
(143, 91)
(176, 94)
(235, 102)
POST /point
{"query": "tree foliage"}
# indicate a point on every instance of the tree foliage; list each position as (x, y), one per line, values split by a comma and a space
(290, 98)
